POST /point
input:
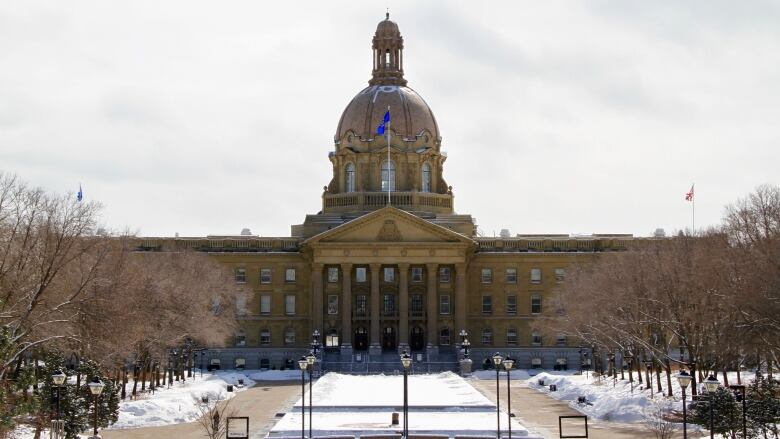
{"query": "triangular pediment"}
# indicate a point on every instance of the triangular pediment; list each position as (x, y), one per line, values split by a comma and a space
(389, 225)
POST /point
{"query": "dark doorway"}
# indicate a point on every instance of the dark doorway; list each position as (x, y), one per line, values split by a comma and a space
(361, 339)
(388, 338)
(416, 339)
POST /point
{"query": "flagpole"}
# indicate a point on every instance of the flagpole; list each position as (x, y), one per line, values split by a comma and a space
(388, 158)
(693, 215)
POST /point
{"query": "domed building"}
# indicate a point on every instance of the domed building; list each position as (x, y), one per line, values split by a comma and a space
(387, 265)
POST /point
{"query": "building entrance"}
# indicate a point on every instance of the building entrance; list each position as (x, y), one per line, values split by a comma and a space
(416, 339)
(388, 338)
(361, 339)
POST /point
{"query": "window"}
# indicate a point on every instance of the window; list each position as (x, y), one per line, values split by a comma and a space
(240, 338)
(289, 336)
(265, 304)
(240, 363)
(560, 274)
(536, 275)
(241, 275)
(388, 176)
(333, 274)
(444, 274)
(265, 275)
(426, 177)
(511, 337)
(215, 305)
(333, 304)
(487, 304)
(289, 304)
(444, 336)
(240, 304)
(511, 305)
(560, 340)
(389, 304)
(487, 275)
(332, 339)
(265, 337)
(487, 337)
(389, 274)
(511, 275)
(360, 305)
(444, 304)
(417, 275)
(416, 305)
(536, 363)
(536, 339)
(360, 274)
(349, 181)
(536, 303)
(289, 275)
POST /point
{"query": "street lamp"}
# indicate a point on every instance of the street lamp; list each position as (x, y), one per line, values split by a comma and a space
(497, 359)
(465, 343)
(58, 378)
(303, 363)
(712, 384)
(684, 379)
(406, 362)
(741, 394)
(508, 363)
(96, 387)
(310, 360)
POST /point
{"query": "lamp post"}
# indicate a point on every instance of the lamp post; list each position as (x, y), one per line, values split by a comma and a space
(497, 359)
(303, 363)
(58, 378)
(741, 388)
(310, 360)
(406, 362)
(684, 379)
(508, 363)
(96, 387)
(712, 384)
(465, 344)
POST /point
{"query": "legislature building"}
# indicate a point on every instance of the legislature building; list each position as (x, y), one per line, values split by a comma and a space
(387, 264)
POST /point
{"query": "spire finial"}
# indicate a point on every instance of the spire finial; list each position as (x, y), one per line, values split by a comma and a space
(387, 14)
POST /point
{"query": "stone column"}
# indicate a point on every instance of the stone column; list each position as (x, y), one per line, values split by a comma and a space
(375, 346)
(403, 301)
(460, 298)
(316, 297)
(432, 314)
(346, 309)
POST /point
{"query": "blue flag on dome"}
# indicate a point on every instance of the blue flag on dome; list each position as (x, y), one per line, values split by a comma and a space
(80, 194)
(385, 120)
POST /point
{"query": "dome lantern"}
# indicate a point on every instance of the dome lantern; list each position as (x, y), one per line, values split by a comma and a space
(388, 45)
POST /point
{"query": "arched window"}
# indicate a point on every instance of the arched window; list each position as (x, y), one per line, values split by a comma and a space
(388, 176)
(426, 177)
(349, 178)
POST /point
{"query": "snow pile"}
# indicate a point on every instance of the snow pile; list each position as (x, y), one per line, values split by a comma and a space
(179, 403)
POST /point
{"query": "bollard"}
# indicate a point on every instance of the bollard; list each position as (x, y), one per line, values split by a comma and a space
(394, 419)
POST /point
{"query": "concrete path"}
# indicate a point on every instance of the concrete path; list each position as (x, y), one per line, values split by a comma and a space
(539, 412)
(260, 403)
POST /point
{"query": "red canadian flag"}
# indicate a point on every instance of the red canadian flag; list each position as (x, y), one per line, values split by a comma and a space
(689, 195)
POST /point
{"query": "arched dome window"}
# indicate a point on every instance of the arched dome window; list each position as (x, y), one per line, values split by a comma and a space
(349, 178)
(426, 177)
(388, 176)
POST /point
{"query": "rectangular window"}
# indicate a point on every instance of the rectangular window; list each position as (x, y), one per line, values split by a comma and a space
(241, 275)
(389, 274)
(360, 305)
(444, 304)
(560, 340)
(265, 337)
(487, 304)
(511, 305)
(444, 274)
(333, 304)
(289, 275)
(511, 275)
(417, 275)
(289, 305)
(289, 336)
(536, 339)
(444, 337)
(536, 303)
(265, 275)
(265, 304)
(511, 337)
(560, 274)
(536, 275)
(389, 305)
(360, 274)
(487, 275)
(333, 274)
(487, 337)
(240, 339)
(416, 305)
(241, 304)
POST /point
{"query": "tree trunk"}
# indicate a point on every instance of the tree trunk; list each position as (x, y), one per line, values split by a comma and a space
(143, 377)
(725, 378)
(694, 387)
(638, 365)
(739, 376)
(769, 367)
(135, 381)
(668, 367)
(124, 382)
(658, 377)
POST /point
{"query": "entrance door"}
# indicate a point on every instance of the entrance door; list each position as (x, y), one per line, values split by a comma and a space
(388, 338)
(361, 339)
(416, 339)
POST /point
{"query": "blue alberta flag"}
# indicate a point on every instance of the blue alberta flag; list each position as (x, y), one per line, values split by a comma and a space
(80, 194)
(385, 120)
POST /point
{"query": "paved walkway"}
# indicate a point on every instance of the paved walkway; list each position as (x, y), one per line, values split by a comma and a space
(539, 412)
(260, 403)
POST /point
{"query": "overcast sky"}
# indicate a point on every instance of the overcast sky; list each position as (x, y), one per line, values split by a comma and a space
(557, 117)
